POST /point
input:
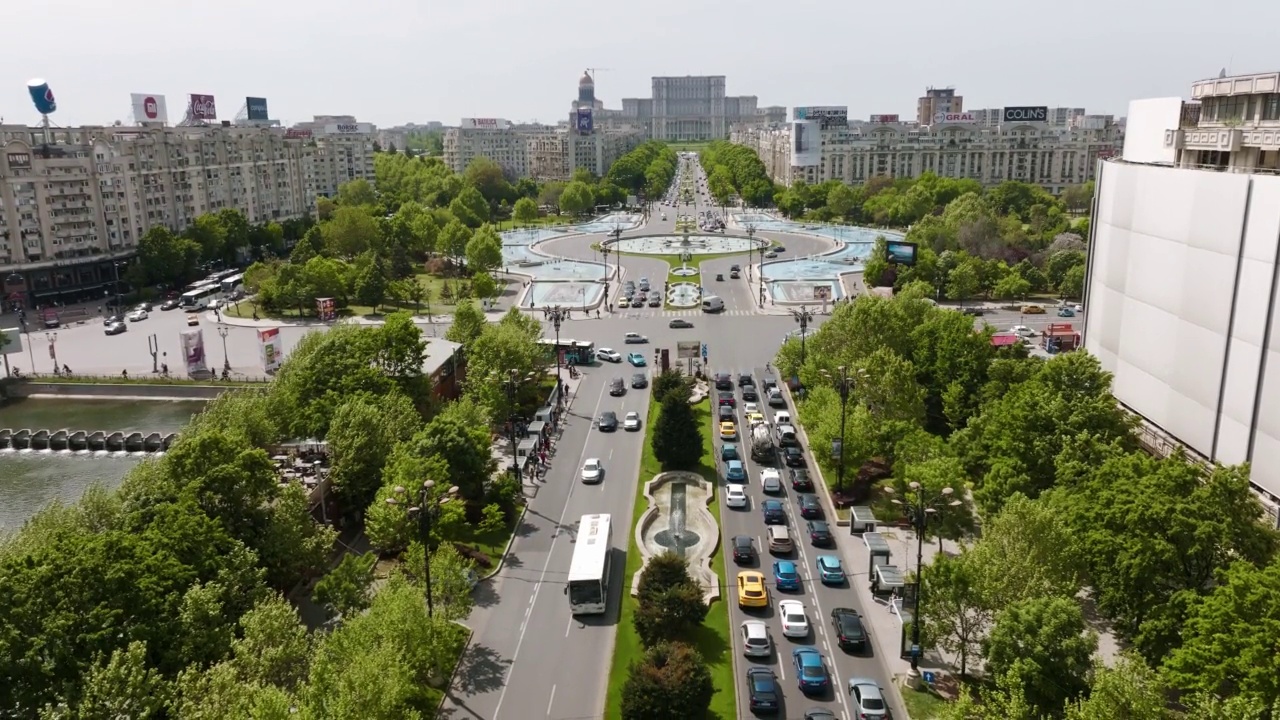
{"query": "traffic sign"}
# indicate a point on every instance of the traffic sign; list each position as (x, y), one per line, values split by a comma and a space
(704, 351)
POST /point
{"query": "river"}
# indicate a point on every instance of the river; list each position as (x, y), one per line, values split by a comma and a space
(30, 480)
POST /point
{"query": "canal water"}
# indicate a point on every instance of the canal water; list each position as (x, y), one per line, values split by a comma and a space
(30, 480)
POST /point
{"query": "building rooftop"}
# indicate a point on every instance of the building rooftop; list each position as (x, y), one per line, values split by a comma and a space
(439, 352)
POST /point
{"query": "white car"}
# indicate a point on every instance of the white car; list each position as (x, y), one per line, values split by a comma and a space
(1022, 331)
(782, 417)
(755, 639)
(137, 315)
(748, 408)
(735, 496)
(795, 624)
(868, 699)
(631, 421)
(609, 354)
(592, 471)
(771, 480)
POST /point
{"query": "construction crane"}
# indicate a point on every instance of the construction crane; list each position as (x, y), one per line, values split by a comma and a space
(593, 72)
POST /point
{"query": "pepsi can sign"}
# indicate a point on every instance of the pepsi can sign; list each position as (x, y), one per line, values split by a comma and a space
(42, 96)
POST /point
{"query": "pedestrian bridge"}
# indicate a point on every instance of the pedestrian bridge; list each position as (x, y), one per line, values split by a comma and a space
(86, 440)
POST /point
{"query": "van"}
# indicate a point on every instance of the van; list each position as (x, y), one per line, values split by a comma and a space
(779, 539)
(712, 304)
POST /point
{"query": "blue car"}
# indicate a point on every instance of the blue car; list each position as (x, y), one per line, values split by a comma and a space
(830, 570)
(636, 359)
(773, 512)
(734, 471)
(785, 575)
(810, 671)
(729, 451)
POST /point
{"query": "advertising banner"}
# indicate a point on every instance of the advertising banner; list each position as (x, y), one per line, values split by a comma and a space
(946, 118)
(688, 349)
(256, 108)
(149, 107)
(269, 346)
(297, 134)
(901, 253)
(827, 116)
(349, 129)
(484, 124)
(806, 144)
(586, 123)
(1026, 113)
(193, 351)
(326, 309)
(884, 118)
(42, 96)
(203, 107)
(19, 160)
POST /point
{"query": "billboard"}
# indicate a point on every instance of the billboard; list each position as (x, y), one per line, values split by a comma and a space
(349, 129)
(825, 115)
(946, 118)
(806, 143)
(884, 118)
(1026, 113)
(688, 349)
(585, 122)
(297, 134)
(42, 96)
(484, 124)
(269, 348)
(193, 351)
(900, 253)
(256, 108)
(12, 341)
(19, 160)
(203, 107)
(149, 107)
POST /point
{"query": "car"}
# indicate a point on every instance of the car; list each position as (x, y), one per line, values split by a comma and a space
(639, 381)
(1022, 331)
(973, 311)
(735, 496)
(774, 397)
(720, 277)
(830, 571)
(782, 417)
(617, 387)
(115, 328)
(868, 699)
(631, 421)
(137, 315)
(785, 575)
(734, 471)
(771, 481)
(734, 275)
(725, 397)
(612, 356)
(633, 338)
(755, 639)
(728, 430)
(745, 379)
(762, 690)
(723, 381)
(624, 302)
(144, 306)
(1032, 310)
(735, 268)
(750, 407)
(793, 457)
(644, 283)
(851, 634)
(725, 412)
(744, 550)
(1066, 312)
(771, 254)
(1078, 308)
(795, 623)
(608, 421)
(193, 319)
(810, 507)
(111, 319)
(820, 533)
(592, 471)
(751, 590)
(636, 359)
(779, 248)
(729, 451)
(679, 323)
(818, 713)
(754, 418)
(773, 512)
(655, 301)
(749, 393)
(170, 304)
(800, 480)
(811, 673)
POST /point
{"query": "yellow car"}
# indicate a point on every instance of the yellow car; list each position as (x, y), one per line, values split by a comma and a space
(754, 418)
(193, 319)
(728, 430)
(751, 590)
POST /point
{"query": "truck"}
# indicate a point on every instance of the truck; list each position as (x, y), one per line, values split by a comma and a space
(762, 449)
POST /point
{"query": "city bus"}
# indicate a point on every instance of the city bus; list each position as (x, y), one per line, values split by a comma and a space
(590, 568)
(199, 298)
(232, 283)
(575, 352)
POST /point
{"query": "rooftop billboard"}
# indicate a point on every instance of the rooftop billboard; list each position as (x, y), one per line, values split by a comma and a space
(1026, 113)
(484, 124)
(149, 107)
(256, 108)
(884, 118)
(948, 118)
(202, 107)
(349, 129)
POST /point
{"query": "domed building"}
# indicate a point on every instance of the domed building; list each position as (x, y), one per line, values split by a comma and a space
(587, 90)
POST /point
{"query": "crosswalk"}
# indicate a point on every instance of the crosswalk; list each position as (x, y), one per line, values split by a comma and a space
(641, 314)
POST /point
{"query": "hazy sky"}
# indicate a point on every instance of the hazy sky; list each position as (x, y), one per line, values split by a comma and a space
(395, 61)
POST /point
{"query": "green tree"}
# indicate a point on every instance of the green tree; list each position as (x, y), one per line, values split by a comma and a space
(207, 232)
(357, 192)
(672, 381)
(525, 211)
(165, 258)
(351, 232)
(470, 207)
(459, 435)
(492, 519)
(661, 573)
(1130, 689)
(453, 241)
(487, 176)
(1011, 287)
(672, 682)
(1043, 643)
(369, 280)
(452, 576)
(274, 647)
(345, 590)
(841, 200)
(361, 436)
(576, 198)
(1072, 285)
(670, 615)
(468, 324)
(125, 686)
(677, 438)
(484, 286)
(962, 282)
(956, 616)
(484, 250)
(1028, 550)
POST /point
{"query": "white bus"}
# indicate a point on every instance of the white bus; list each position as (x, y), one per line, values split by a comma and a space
(232, 283)
(589, 570)
(199, 298)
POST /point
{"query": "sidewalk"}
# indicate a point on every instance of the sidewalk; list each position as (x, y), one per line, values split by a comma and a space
(502, 452)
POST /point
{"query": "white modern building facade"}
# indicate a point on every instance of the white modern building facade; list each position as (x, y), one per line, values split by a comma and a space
(1184, 271)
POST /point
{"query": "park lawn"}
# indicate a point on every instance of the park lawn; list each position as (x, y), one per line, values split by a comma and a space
(460, 636)
(712, 639)
(923, 704)
(432, 283)
(491, 543)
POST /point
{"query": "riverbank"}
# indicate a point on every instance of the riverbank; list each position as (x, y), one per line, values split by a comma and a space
(21, 389)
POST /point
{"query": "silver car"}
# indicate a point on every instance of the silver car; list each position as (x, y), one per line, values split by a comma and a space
(755, 639)
(868, 699)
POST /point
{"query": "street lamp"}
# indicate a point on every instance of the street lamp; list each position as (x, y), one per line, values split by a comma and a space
(557, 315)
(919, 509)
(804, 317)
(604, 251)
(223, 330)
(617, 251)
(844, 385)
(427, 510)
(52, 339)
(115, 266)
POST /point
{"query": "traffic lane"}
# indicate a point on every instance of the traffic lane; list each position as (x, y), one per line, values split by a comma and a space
(797, 245)
(737, 294)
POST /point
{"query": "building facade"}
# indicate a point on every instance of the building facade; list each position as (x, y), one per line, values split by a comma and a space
(542, 152)
(692, 108)
(339, 150)
(937, 101)
(1184, 271)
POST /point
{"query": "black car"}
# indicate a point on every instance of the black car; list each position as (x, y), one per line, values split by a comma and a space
(749, 393)
(655, 301)
(768, 382)
(773, 512)
(801, 481)
(974, 311)
(723, 381)
(762, 688)
(810, 508)
(745, 379)
(779, 248)
(793, 457)
(617, 387)
(744, 550)
(819, 713)
(819, 532)
(679, 323)
(850, 633)
(639, 380)
(727, 413)
(726, 398)
(608, 421)
(735, 268)
(170, 304)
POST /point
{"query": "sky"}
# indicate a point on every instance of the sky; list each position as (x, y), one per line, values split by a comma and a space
(391, 62)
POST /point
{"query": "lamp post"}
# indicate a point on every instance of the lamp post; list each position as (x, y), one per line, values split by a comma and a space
(751, 249)
(844, 384)
(557, 315)
(604, 252)
(223, 330)
(153, 347)
(427, 509)
(617, 251)
(919, 509)
(115, 266)
(52, 339)
(804, 317)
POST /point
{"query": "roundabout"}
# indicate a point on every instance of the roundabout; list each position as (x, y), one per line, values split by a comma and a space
(686, 243)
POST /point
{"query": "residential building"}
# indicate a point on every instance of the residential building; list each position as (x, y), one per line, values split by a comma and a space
(341, 150)
(544, 152)
(935, 101)
(1184, 272)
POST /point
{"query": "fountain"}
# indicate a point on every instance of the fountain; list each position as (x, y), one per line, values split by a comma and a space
(677, 520)
(684, 270)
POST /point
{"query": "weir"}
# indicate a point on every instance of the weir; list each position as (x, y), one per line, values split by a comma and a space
(85, 440)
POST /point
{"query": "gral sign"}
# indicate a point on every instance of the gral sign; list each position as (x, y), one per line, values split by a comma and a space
(585, 123)
(806, 144)
(19, 160)
(203, 107)
(1026, 113)
(884, 118)
(256, 108)
(269, 346)
(484, 124)
(688, 349)
(149, 108)
(825, 115)
(193, 351)
(900, 253)
(946, 118)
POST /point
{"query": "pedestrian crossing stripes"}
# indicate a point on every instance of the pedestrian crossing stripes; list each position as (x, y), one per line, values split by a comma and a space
(640, 314)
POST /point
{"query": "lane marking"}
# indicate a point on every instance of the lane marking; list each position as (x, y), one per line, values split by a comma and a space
(553, 699)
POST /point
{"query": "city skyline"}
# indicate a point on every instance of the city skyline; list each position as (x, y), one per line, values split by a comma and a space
(394, 71)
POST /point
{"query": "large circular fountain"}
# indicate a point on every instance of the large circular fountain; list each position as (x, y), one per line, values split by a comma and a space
(681, 244)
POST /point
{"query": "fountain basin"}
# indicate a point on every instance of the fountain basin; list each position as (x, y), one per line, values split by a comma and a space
(693, 244)
(678, 520)
(683, 294)
(572, 295)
